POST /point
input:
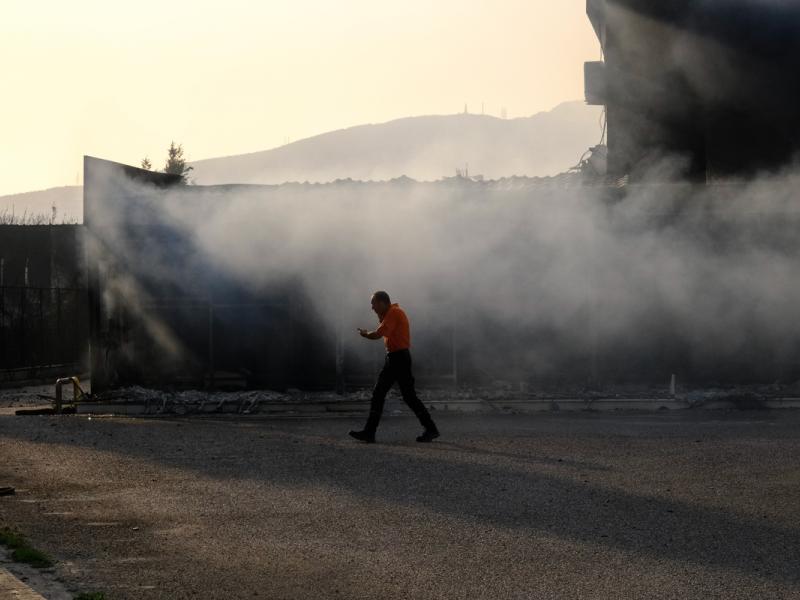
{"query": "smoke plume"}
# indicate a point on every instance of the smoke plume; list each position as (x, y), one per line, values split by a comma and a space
(530, 283)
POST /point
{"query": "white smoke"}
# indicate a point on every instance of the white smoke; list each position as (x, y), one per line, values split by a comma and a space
(530, 276)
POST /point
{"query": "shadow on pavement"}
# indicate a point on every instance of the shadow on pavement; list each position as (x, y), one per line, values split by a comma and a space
(440, 477)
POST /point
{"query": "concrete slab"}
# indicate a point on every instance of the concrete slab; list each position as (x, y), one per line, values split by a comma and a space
(13, 588)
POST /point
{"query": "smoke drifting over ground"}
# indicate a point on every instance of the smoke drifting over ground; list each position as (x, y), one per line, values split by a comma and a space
(533, 283)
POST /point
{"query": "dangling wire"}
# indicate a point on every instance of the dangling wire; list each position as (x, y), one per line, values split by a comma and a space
(604, 126)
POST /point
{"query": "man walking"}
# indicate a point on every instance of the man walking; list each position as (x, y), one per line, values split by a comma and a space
(394, 330)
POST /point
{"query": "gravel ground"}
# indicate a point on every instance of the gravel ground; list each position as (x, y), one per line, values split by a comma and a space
(688, 505)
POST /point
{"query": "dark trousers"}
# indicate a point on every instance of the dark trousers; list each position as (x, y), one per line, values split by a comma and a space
(397, 368)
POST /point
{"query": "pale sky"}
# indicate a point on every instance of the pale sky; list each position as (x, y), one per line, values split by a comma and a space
(120, 80)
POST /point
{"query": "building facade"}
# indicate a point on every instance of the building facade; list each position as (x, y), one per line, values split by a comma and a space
(695, 89)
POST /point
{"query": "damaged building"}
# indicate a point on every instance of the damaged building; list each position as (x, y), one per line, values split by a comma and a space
(697, 90)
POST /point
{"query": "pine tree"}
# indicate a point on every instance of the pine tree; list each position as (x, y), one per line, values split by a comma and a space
(176, 163)
(146, 164)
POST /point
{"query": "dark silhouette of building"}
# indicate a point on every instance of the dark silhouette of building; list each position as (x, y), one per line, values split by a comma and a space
(697, 89)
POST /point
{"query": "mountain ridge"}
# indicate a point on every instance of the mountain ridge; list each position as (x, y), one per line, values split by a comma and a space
(542, 144)
(423, 148)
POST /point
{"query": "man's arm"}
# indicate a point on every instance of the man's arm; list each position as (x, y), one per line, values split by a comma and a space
(370, 335)
(384, 329)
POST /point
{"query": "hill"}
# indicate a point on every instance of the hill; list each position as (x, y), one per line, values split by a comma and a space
(32, 206)
(423, 148)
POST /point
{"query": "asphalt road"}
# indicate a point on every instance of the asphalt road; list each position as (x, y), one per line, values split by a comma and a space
(689, 505)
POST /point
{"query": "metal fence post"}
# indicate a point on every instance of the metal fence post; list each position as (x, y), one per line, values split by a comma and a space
(340, 383)
(23, 346)
(2, 321)
(41, 329)
(59, 337)
(455, 355)
(211, 382)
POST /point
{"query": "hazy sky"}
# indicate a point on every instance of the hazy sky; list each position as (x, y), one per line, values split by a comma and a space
(119, 80)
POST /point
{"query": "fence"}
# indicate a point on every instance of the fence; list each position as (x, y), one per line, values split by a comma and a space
(42, 327)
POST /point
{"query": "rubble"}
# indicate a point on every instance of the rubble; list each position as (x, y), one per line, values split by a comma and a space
(497, 397)
(500, 397)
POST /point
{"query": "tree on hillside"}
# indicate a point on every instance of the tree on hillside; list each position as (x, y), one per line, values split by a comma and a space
(176, 163)
(146, 164)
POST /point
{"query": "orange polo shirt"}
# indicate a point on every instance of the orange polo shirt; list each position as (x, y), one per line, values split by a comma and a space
(395, 329)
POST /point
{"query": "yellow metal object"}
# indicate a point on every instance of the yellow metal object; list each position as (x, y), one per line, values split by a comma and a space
(77, 391)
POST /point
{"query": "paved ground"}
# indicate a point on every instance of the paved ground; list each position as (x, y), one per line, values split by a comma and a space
(689, 505)
(13, 588)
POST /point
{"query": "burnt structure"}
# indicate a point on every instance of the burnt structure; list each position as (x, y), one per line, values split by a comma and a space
(162, 314)
(166, 312)
(702, 90)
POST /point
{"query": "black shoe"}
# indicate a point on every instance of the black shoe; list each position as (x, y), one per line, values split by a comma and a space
(428, 435)
(363, 436)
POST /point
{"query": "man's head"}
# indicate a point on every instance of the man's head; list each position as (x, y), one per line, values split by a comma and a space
(381, 303)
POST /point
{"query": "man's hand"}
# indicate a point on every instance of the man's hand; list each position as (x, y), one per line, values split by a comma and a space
(370, 335)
